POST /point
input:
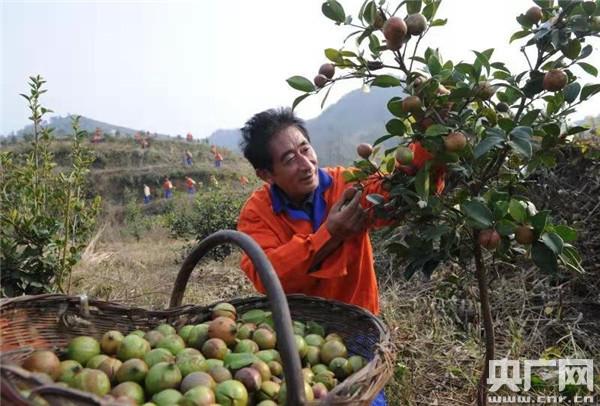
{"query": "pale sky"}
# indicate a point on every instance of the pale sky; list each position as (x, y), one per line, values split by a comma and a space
(200, 65)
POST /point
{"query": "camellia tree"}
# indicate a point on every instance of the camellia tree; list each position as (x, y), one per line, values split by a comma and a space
(469, 134)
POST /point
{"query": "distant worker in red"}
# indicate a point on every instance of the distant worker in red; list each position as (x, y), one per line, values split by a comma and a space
(189, 137)
(167, 188)
(190, 184)
(97, 137)
(218, 159)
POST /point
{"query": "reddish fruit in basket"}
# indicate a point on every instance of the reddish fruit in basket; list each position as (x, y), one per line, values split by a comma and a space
(263, 369)
(264, 338)
(223, 328)
(110, 342)
(93, 381)
(220, 374)
(224, 310)
(131, 390)
(319, 390)
(82, 348)
(250, 378)
(43, 361)
(110, 366)
(215, 348)
(197, 379)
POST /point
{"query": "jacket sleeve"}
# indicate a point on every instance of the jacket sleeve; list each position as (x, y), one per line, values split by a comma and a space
(290, 259)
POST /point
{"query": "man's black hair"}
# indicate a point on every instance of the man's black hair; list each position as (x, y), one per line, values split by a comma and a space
(258, 131)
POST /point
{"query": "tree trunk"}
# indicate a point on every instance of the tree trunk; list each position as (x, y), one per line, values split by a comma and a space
(486, 314)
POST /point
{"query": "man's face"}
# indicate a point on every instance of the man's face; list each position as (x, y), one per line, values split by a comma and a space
(294, 164)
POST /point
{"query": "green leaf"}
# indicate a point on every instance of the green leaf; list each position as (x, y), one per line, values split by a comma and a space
(478, 212)
(572, 49)
(413, 6)
(539, 221)
(518, 35)
(301, 83)
(422, 183)
(517, 211)
(544, 257)
(486, 144)
(430, 9)
(588, 68)
(588, 91)
(436, 129)
(505, 227)
(299, 99)
(566, 233)
(334, 55)
(576, 130)
(349, 176)
(386, 81)
(395, 127)
(571, 91)
(553, 241)
(334, 11)
(483, 59)
(395, 106)
(530, 117)
(433, 64)
(438, 22)
(520, 140)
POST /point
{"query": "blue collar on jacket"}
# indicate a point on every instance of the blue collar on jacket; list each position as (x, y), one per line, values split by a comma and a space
(280, 202)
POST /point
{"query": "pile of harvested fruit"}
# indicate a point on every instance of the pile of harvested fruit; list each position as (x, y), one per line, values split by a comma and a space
(228, 360)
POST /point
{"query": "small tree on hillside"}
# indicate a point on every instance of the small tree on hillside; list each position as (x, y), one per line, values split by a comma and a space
(485, 127)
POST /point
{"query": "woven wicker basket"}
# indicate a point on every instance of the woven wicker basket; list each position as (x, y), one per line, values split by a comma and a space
(30, 323)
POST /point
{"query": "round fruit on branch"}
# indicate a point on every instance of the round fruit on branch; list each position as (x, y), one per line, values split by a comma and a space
(364, 150)
(394, 31)
(554, 80)
(524, 235)
(327, 70)
(411, 104)
(404, 155)
(534, 15)
(455, 141)
(320, 80)
(416, 24)
(484, 90)
(489, 239)
(502, 107)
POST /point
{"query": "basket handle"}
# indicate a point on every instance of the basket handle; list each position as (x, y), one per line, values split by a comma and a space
(277, 301)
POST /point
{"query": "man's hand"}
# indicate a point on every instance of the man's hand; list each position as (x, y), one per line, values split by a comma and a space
(347, 217)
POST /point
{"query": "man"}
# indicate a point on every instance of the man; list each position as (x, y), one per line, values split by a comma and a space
(190, 184)
(310, 223)
(147, 195)
(168, 188)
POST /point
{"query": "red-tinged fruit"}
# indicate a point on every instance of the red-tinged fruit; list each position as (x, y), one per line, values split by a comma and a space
(43, 361)
(554, 80)
(524, 235)
(394, 31)
(455, 141)
(489, 239)
(320, 80)
(534, 14)
(364, 150)
(327, 70)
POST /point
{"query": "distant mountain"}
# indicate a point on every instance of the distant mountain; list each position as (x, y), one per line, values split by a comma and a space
(356, 117)
(62, 126)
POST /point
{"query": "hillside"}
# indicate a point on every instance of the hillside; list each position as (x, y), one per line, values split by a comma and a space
(355, 118)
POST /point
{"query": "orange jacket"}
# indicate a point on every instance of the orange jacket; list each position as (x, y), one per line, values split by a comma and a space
(290, 241)
(218, 156)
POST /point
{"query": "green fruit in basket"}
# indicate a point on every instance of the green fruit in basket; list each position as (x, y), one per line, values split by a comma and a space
(266, 403)
(138, 333)
(299, 328)
(198, 336)
(110, 342)
(334, 336)
(313, 355)
(154, 337)
(326, 378)
(110, 366)
(320, 391)
(200, 395)
(43, 361)
(308, 375)
(235, 361)
(300, 345)
(157, 355)
(190, 364)
(197, 379)
(95, 361)
(268, 355)
(215, 348)
(132, 370)
(250, 378)
(223, 328)
(269, 324)
(231, 393)
(211, 362)
(314, 339)
(166, 329)
(268, 391)
(340, 367)
(82, 348)
(318, 368)
(167, 397)
(132, 390)
(220, 374)
(263, 369)
(246, 330)
(173, 343)
(133, 346)
(357, 362)
(282, 398)
(93, 381)
(68, 370)
(275, 368)
(246, 345)
(184, 331)
(265, 339)
(333, 349)
(255, 316)
(224, 310)
(162, 376)
(187, 352)
(315, 328)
